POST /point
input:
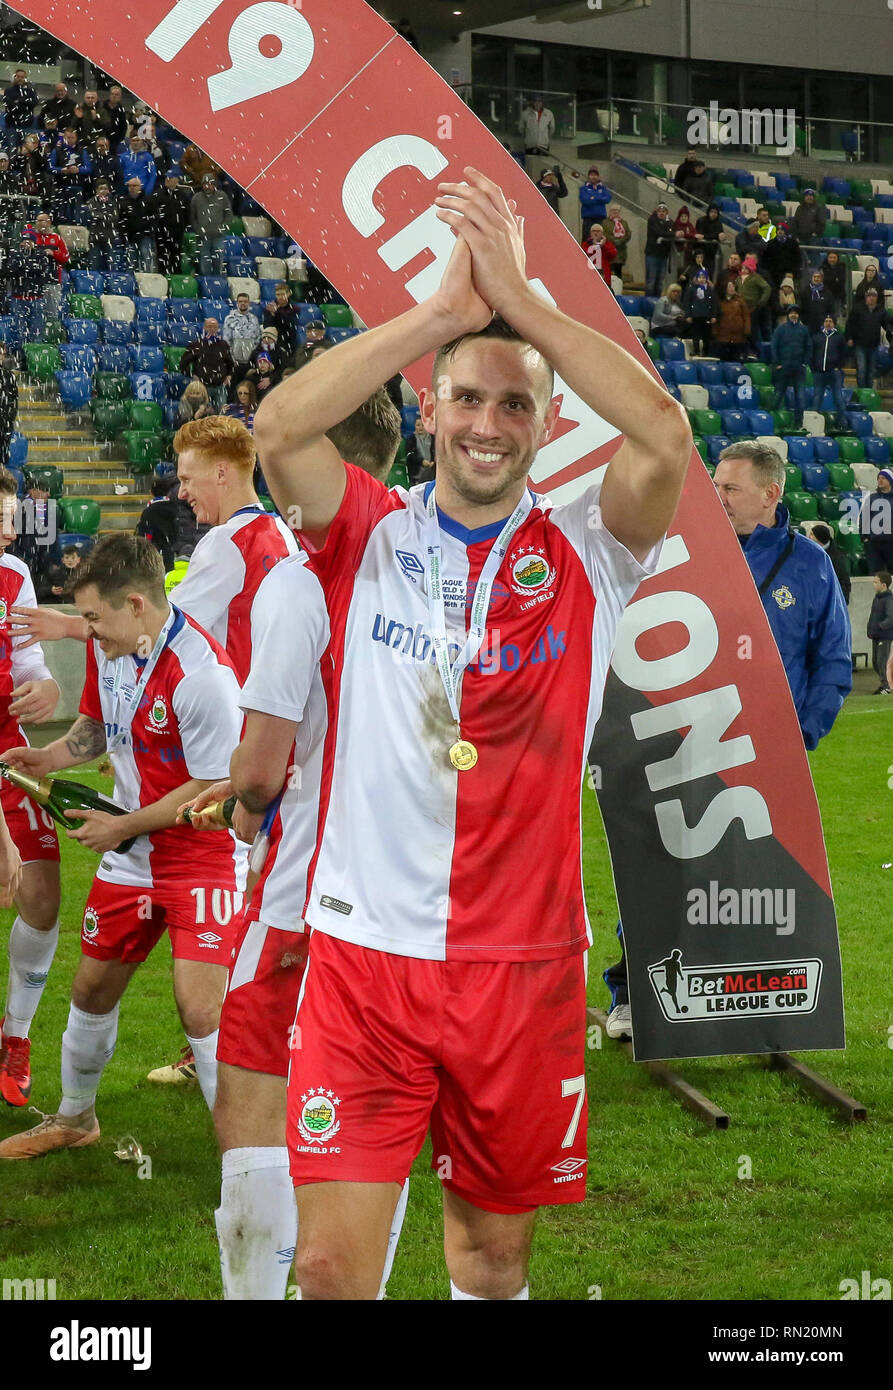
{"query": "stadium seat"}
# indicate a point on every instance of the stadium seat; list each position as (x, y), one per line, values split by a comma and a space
(215, 309)
(232, 247)
(42, 360)
(706, 422)
(686, 374)
(172, 354)
(110, 418)
(673, 349)
(840, 477)
(180, 335)
(793, 478)
(243, 285)
(112, 386)
(629, 303)
(826, 450)
(18, 450)
(851, 449)
(883, 422)
(183, 287)
(144, 449)
(802, 506)
(759, 421)
(760, 373)
(147, 386)
(150, 310)
(85, 306)
(9, 332)
(711, 374)
(146, 359)
(113, 359)
(90, 282)
(408, 417)
(813, 422)
(338, 315)
(877, 450)
(734, 422)
(715, 445)
(184, 311)
(170, 412)
(815, 477)
(117, 306)
(175, 384)
(143, 415)
(150, 285)
(860, 422)
(80, 514)
(240, 268)
(721, 397)
(257, 226)
(82, 331)
(77, 357)
(666, 371)
(155, 334)
(48, 476)
(120, 282)
(800, 450)
(694, 397)
(776, 442)
(213, 287)
(865, 474)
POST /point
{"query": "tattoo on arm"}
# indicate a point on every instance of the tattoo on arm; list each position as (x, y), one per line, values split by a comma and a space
(85, 739)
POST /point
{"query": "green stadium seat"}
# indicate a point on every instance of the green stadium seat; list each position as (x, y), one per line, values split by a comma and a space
(80, 514)
(110, 418)
(172, 357)
(191, 241)
(337, 315)
(828, 505)
(706, 421)
(145, 448)
(760, 373)
(793, 478)
(841, 476)
(869, 399)
(53, 331)
(48, 476)
(851, 449)
(236, 227)
(112, 386)
(652, 347)
(84, 306)
(767, 398)
(802, 506)
(144, 415)
(183, 287)
(701, 446)
(783, 421)
(850, 543)
(188, 263)
(657, 169)
(860, 192)
(42, 360)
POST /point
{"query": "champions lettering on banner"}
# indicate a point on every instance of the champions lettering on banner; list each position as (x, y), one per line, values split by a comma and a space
(702, 772)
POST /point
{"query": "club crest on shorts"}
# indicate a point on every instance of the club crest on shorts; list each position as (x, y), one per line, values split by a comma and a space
(531, 571)
(317, 1119)
(91, 924)
(158, 712)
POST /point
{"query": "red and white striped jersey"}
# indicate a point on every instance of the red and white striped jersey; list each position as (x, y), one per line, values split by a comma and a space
(186, 726)
(415, 857)
(16, 666)
(289, 633)
(226, 567)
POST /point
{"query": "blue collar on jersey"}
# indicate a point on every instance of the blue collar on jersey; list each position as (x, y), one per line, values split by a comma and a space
(462, 533)
(178, 623)
(253, 508)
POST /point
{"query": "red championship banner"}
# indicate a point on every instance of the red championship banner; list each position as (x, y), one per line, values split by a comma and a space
(341, 131)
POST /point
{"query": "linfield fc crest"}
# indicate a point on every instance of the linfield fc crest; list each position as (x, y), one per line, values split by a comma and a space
(91, 924)
(531, 571)
(318, 1120)
(783, 597)
(158, 713)
(4, 609)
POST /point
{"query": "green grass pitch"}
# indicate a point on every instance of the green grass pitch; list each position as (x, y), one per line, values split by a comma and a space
(666, 1214)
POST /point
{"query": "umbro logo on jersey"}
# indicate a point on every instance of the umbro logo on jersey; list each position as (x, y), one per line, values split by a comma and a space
(336, 905)
(569, 1169)
(411, 565)
(48, 841)
(209, 938)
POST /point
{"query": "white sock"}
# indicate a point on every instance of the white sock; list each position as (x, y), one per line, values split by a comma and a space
(396, 1228)
(457, 1295)
(257, 1223)
(205, 1053)
(30, 957)
(87, 1045)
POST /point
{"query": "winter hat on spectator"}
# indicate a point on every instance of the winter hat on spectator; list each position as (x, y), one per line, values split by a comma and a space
(807, 192)
(750, 262)
(270, 333)
(4, 155)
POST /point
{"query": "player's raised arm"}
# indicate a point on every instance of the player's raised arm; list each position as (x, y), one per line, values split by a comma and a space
(301, 466)
(84, 741)
(643, 484)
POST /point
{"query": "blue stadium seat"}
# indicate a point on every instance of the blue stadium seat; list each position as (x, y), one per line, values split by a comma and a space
(182, 334)
(671, 349)
(215, 309)
(232, 247)
(675, 393)
(185, 310)
(280, 244)
(308, 312)
(213, 286)
(715, 445)
(257, 246)
(82, 330)
(800, 450)
(647, 302)
(18, 450)
(860, 422)
(152, 334)
(257, 309)
(176, 149)
(629, 303)
(883, 361)
(877, 450)
(710, 374)
(815, 477)
(121, 282)
(408, 415)
(734, 422)
(146, 359)
(175, 384)
(150, 310)
(686, 373)
(721, 397)
(785, 181)
(732, 372)
(169, 414)
(240, 266)
(765, 352)
(75, 389)
(760, 422)
(147, 387)
(113, 359)
(267, 290)
(77, 357)
(88, 282)
(338, 335)
(826, 450)
(9, 332)
(115, 332)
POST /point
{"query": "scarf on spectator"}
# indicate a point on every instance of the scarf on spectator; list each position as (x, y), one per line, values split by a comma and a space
(619, 229)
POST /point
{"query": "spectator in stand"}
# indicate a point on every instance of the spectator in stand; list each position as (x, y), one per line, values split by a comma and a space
(38, 545)
(536, 127)
(159, 522)
(31, 162)
(871, 280)
(19, 101)
(766, 228)
(659, 237)
(880, 627)
(269, 344)
(136, 225)
(834, 274)
(105, 164)
(710, 229)
(315, 337)
(210, 359)
(102, 220)
(72, 170)
(731, 272)
(405, 30)
(787, 295)
(686, 171)
(732, 325)
(594, 198)
(668, 318)
(552, 186)
(782, 256)
(876, 523)
(196, 165)
(697, 263)
(263, 373)
(61, 576)
(89, 118)
(142, 121)
(828, 361)
(700, 313)
(211, 213)
(12, 191)
(116, 122)
(195, 403)
(58, 111)
(245, 405)
(808, 222)
(137, 163)
(791, 355)
(686, 236)
(241, 331)
(9, 404)
(29, 273)
(815, 302)
(170, 206)
(867, 320)
(284, 316)
(699, 183)
(756, 293)
(601, 252)
(56, 252)
(750, 243)
(824, 536)
(617, 230)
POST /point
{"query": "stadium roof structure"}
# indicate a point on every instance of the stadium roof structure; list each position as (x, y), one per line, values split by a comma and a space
(459, 15)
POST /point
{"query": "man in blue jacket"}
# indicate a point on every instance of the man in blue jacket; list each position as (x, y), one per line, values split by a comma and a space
(803, 603)
(791, 355)
(137, 163)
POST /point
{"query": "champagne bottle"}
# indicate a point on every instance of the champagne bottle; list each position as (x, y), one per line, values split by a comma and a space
(220, 813)
(57, 795)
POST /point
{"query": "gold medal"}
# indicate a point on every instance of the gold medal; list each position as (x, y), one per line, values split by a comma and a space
(463, 755)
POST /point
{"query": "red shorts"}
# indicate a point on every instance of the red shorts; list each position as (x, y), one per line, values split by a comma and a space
(122, 922)
(490, 1055)
(33, 829)
(262, 997)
